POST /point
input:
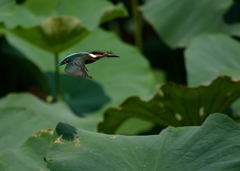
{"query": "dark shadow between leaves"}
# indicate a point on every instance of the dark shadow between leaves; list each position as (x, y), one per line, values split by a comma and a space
(82, 95)
(19, 74)
(232, 16)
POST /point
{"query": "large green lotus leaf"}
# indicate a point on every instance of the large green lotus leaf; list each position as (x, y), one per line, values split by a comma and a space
(23, 114)
(212, 146)
(54, 34)
(7, 7)
(20, 17)
(177, 22)
(32, 12)
(211, 55)
(175, 105)
(119, 77)
(17, 124)
(41, 7)
(111, 13)
(92, 12)
(30, 156)
(57, 33)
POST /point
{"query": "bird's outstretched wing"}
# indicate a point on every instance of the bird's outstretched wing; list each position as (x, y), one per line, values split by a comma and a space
(77, 68)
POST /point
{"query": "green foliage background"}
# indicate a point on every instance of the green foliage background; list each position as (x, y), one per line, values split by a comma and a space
(165, 46)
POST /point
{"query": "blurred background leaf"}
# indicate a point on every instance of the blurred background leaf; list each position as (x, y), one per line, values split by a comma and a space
(28, 114)
(7, 7)
(92, 12)
(179, 23)
(20, 17)
(41, 7)
(35, 11)
(54, 34)
(191, 105)
(211, 55)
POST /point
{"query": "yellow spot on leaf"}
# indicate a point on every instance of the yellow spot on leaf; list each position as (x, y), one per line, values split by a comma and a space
(161, 104)
(178, 116)
(201, 111)
(42, 131)
(160, 92)
(113, 137)
(119, 108)
(229, 94)
(58, 140)
(76, 140)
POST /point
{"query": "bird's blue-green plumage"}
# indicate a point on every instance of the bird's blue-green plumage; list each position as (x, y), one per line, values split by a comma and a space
(72, 56)
(76, 62)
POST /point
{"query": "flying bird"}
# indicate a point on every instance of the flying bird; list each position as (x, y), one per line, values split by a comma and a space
(76, 62)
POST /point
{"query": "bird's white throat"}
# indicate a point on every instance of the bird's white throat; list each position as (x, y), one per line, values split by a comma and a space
(92, 55)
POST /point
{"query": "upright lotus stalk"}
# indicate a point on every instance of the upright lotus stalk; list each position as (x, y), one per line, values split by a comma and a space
(57, 79)
(137, 24)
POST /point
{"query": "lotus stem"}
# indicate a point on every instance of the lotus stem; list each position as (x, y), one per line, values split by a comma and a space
(137, 24)
(57, 79)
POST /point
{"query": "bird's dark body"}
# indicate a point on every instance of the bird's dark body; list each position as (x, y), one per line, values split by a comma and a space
(76, 62)
(91, 60)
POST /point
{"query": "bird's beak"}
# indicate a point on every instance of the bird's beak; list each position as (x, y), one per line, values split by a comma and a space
(111, 55)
